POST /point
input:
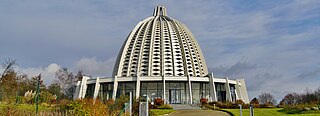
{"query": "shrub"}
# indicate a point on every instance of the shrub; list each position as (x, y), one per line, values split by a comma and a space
(204, 101)
(291, 110)
(19, 99)
(240, 102)
(110, 104)
(77, 107)
(165, 106)
(8, 110)
(46, 97)
(119, 103)
(158, 102)
(62, 104)
(88, 107)
(211, 107)
(135, 107)
(214, 102)
(228, 105)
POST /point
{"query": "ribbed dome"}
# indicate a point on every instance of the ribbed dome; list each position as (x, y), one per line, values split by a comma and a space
(160, 46)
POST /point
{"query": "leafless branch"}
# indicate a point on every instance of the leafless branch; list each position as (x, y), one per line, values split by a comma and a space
(7, 65)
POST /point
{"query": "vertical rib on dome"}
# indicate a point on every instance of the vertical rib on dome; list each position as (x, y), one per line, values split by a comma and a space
(160, 46)
(159, 10)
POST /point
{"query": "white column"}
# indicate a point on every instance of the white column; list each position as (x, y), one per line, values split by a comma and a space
(137, 87)
(238, 91)
(243, 91)
(96, 88)
(115, 87)
(213, 93)
(77, 93)
(164, 90)
(83, 87)
(228, 92)
(190, 89)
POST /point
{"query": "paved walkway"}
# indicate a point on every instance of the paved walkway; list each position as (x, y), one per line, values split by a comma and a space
(184, 107)
(198, 113)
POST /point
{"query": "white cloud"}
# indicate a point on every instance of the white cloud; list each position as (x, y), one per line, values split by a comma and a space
(89, 66)
(47, 73)
(93, 67)
(52, 68)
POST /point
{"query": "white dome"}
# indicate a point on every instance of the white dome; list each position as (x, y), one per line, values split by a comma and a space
(160, 46)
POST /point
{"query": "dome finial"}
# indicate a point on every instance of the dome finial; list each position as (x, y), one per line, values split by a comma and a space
(159, 10)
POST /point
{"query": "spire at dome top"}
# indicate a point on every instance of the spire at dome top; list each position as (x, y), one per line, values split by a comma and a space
(160, 10)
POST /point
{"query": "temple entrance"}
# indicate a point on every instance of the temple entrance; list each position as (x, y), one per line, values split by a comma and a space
(175, 96)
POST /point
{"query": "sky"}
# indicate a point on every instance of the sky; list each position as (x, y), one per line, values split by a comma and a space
(273, 44)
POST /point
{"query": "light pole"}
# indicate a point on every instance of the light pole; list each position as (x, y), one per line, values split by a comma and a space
(152, 99)
(130, 102)
(37, 94)
(240, 109)
(147, 104)
(251, 110)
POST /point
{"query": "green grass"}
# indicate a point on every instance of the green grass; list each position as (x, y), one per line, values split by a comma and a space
(297, 111)
(270, 112)
(162, 111)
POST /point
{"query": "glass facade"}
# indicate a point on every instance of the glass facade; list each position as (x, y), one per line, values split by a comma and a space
(233, 92)
(177, 92)
(124, 88)
(200, 90)
(152, 89)
(90, 91)
(221, 91)
(106, 91)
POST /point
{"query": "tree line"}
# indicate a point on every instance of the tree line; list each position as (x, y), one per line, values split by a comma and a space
(15, 87)
(308, 98)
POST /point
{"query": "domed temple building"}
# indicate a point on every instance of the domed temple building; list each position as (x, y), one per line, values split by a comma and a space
(162, 59)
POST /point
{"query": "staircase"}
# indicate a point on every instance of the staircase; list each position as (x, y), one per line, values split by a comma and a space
(185, 107)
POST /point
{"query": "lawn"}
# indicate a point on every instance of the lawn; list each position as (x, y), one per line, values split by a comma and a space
(159, 112)
(267, 112)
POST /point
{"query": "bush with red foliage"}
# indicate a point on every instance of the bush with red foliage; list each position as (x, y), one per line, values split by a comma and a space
(158, 102)
(204, 101)
(239, 101)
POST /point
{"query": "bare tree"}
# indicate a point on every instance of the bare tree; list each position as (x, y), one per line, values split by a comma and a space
(7, 66)
(309, 97)
(8, 81)
(291, 99)
(267, 99)
(79, 75)
(317, 94)
(67, 81)
(55, 89)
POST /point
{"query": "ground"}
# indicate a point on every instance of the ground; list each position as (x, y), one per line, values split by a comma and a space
(198, 113)
(267, 112)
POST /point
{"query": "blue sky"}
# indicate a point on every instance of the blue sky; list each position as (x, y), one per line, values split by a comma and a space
(273, 44)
